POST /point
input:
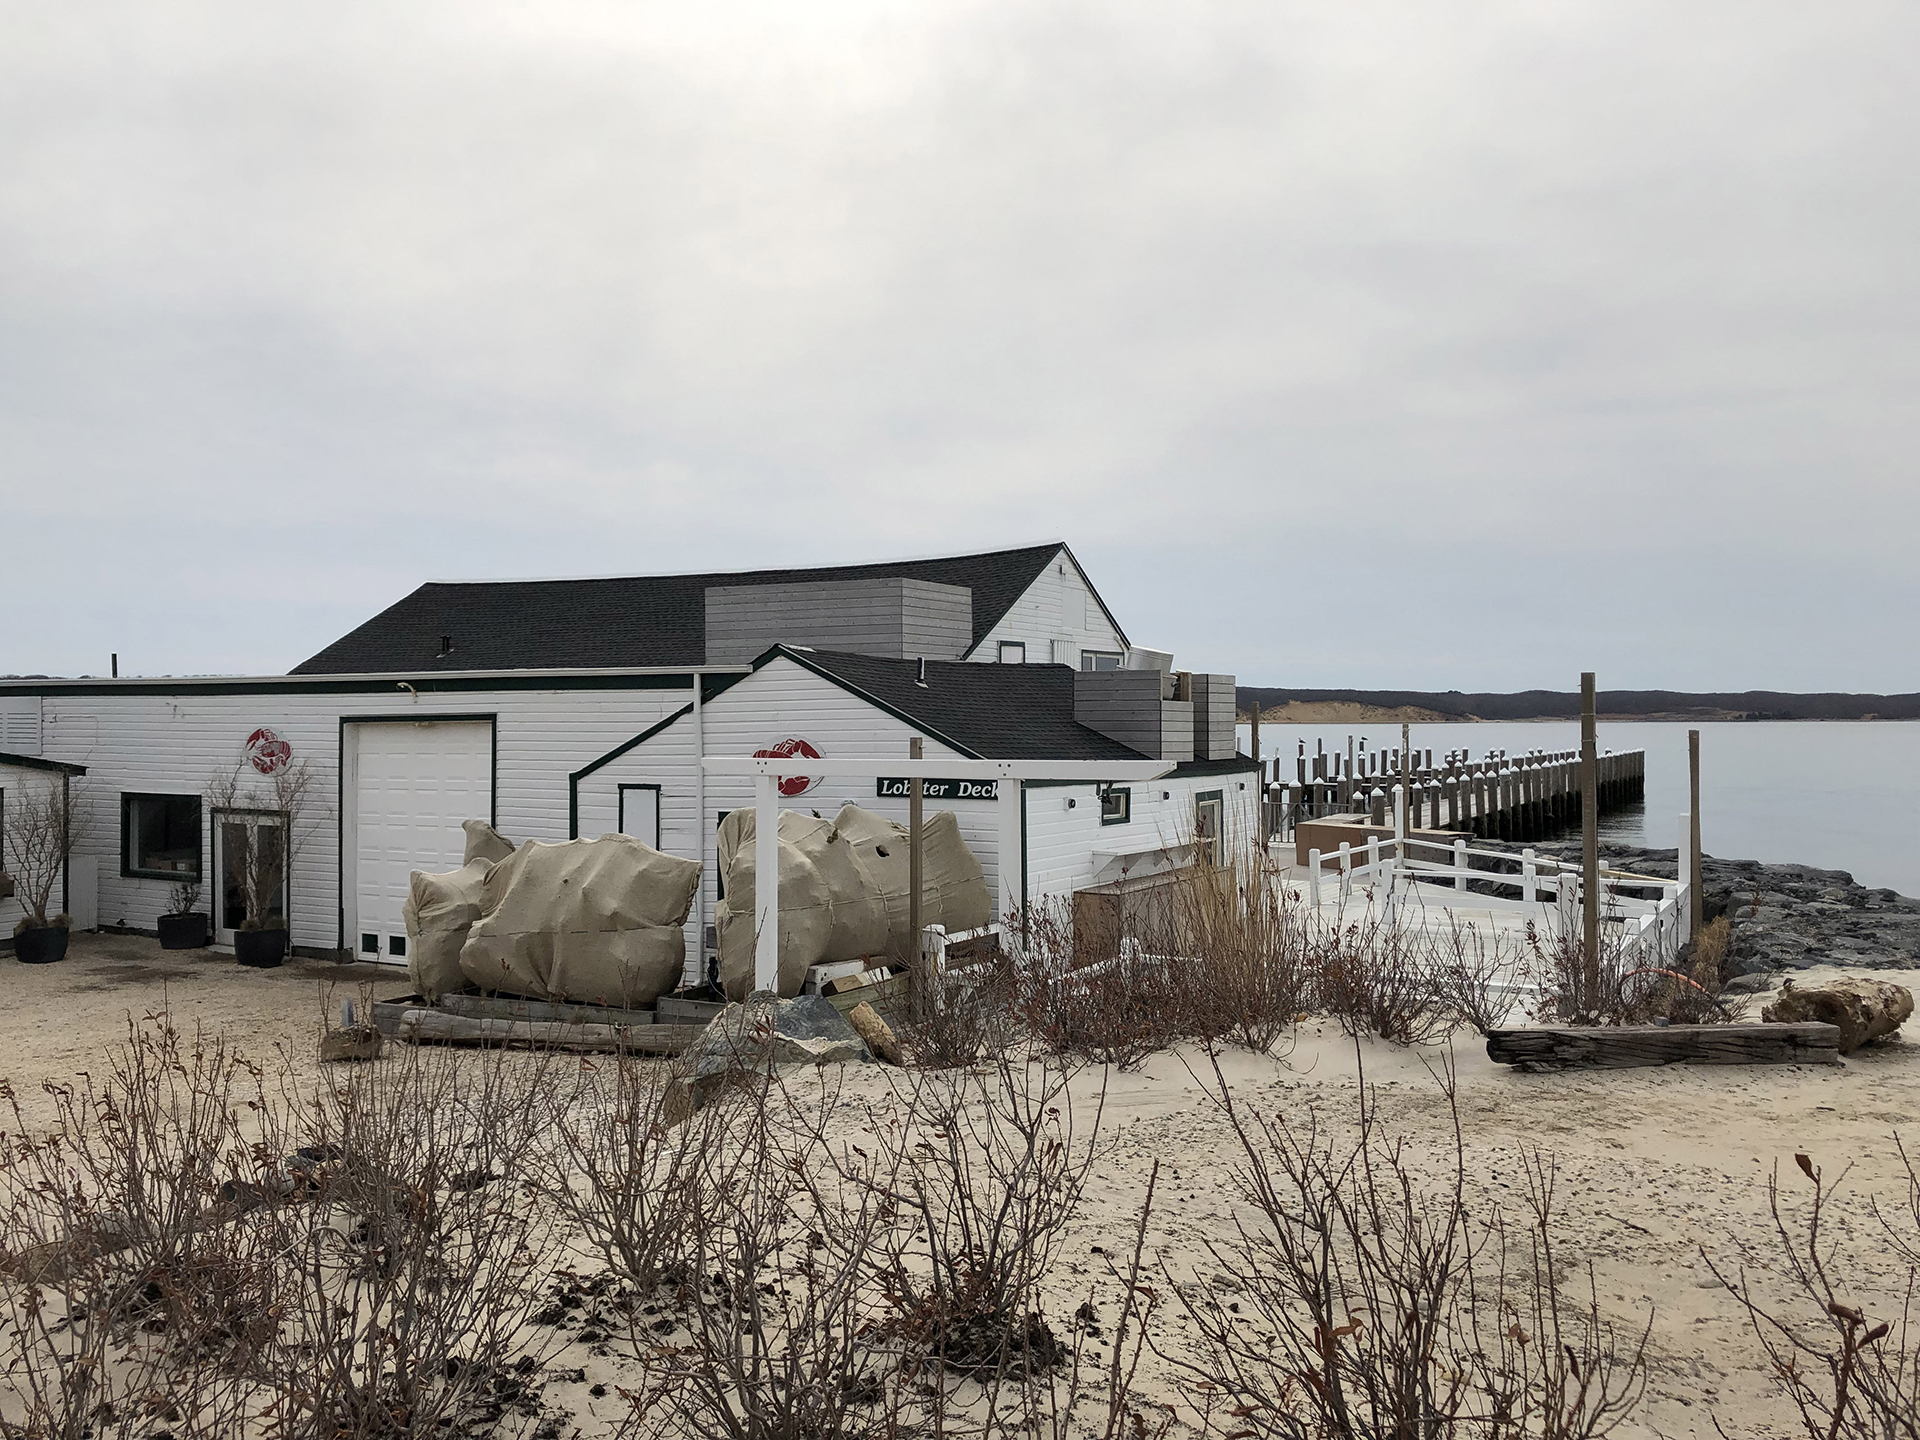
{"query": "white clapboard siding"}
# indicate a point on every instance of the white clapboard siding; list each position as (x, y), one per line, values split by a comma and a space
(1062, 840)
(174, 741)
(1057, 606)
(779, 700)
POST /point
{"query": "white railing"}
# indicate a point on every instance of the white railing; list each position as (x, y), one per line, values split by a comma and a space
(1394, 870)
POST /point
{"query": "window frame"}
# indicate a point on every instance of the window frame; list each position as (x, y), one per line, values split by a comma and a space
(197, 875)
(1125, 817)
(1005, 646)
(1212, 844)
(1087, 658)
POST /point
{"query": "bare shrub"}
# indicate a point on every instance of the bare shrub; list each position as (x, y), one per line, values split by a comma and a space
(1632, 990)
(1249, 939)
(624, 1178)
(1844, 1371)
(263, 856)
(1383, 1307)
(981, 1171)
(410, 1272)
(782, 1332)
(1476, 974)
(45, 821)
(1116, 1010)
(1382, 978)
(956, 1017)
(133, 1292)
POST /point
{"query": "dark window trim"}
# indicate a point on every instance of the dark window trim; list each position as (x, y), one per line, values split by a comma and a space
(177, 877)
(659, 802)
(1000, 654)
(1125, 792)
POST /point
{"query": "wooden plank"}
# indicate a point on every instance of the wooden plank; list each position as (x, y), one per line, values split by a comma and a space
(516, 1007)
(1627, 1046)
(669, 1011)
(438, 1026)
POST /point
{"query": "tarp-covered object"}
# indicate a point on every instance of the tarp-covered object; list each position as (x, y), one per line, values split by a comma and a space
(440, 910)
(484, 842)
(843, 890)
(595, 921)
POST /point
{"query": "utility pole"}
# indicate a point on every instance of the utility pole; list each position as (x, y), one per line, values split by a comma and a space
(1696, 909)
(1589, 845)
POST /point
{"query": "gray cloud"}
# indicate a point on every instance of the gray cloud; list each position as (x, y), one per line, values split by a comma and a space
(1365, 344)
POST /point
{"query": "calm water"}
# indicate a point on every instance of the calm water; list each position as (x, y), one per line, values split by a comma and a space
(1843, 795)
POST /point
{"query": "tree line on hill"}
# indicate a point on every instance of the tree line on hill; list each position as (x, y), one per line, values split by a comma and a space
(1565, 704)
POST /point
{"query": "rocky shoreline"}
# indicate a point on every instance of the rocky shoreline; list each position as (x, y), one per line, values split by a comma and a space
(1784, 917)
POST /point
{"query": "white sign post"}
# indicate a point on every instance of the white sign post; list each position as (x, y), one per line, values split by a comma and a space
(768, 770)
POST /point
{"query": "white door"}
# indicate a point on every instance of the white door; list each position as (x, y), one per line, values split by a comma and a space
(415, 783)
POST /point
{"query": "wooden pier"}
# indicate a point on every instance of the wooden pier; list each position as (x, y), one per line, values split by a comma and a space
(1499, 797)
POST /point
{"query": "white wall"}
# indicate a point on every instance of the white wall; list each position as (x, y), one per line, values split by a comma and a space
(1062, 839)
(779, 700)
(174, 742)
(1059, 605)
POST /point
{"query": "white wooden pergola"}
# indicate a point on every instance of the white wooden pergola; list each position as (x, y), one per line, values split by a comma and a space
(766, 772)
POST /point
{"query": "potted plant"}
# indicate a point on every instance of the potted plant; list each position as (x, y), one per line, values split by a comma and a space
(183, 927)
(42, 825)
(260, 856)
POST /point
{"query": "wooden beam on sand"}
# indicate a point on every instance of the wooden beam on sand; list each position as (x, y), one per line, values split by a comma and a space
(426, 1027)
(1616, 1047)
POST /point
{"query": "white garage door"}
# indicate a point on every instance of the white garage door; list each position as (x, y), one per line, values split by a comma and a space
(415, 782)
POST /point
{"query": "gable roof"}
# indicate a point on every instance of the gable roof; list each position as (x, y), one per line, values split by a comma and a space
(632, 622)
(992, 712)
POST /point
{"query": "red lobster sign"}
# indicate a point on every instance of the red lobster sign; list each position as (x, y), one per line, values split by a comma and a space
(792, 785)
(267, 752)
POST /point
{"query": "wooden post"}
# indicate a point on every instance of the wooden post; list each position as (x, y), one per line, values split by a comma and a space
(766, 883)
(916, 794)
(1694, 920)
(1589, 843)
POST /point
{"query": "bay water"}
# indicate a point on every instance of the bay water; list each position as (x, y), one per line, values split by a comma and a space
(1840, 795)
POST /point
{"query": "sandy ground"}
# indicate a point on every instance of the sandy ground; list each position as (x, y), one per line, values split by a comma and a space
(1654, 1165)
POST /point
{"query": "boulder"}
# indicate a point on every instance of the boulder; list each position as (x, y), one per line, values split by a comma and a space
(751, 1039)
(439, 912)
(843, 890)
(595, 921)
(1865, 1010)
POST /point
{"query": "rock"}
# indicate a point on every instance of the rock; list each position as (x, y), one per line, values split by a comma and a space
(1865, 1010)
(1748, 984)
(752, 1038)
(355, 1042)
(876, 1032)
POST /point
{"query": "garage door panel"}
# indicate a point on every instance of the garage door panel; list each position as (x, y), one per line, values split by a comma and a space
(415, 785)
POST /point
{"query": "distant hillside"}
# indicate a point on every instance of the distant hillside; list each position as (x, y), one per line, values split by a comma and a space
(1320, 707)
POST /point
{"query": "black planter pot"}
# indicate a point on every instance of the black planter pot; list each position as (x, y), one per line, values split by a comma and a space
(182, 932)
(41, 947)
(262, 949)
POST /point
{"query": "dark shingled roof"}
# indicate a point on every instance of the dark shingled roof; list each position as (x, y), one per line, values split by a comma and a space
(997, 712)
(632, 623)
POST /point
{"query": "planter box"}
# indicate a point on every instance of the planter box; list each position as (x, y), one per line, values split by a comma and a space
(41, 947)
(182, 932)
(260, 949)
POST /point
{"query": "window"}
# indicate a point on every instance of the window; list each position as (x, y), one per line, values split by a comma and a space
(1209, 811)
(1116, 805)
(1013, 652)
(160, 836)
(1099, 659)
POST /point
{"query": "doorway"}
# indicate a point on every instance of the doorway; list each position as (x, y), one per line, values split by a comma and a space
(1209, 815)
(246, 840)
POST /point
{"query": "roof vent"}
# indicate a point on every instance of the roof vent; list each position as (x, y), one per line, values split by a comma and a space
(446, 645)
(920, 673)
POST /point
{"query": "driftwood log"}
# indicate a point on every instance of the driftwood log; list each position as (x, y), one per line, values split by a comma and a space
(424, 1027)
(1613, 1047)
(1865, 1010)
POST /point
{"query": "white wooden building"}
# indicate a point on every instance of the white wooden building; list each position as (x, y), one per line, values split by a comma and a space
(574, 707)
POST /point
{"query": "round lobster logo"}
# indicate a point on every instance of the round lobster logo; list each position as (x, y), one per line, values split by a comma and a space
(267, 752)
(792, 785)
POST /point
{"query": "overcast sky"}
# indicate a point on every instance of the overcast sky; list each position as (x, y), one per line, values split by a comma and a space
(1425, 345)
